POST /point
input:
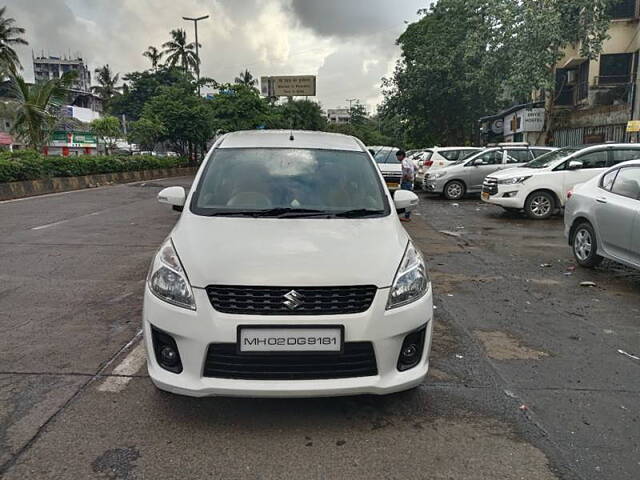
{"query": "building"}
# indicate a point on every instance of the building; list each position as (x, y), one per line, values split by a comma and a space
(47, 68)
(72, 144)
(339, 115)
(520, 123)
(594, 99)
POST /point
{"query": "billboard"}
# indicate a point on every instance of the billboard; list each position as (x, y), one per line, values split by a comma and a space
(289, 86)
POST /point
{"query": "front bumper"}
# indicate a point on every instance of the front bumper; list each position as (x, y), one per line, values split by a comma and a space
(194, 331)
(508, 196)
(434, 185)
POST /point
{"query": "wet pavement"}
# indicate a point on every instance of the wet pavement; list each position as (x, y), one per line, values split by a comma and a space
(526, 379)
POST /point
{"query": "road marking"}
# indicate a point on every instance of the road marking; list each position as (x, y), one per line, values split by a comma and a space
(42, 227)
(128, 367)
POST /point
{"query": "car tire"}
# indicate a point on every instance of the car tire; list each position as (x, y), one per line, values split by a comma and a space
(584, 246)
(540, 205)
(454, 190)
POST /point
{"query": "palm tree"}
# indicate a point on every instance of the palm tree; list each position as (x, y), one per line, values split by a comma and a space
(178, 51)
(106, 88)
(246, 78)
(154, 55)
(10, 36)
(37, 106)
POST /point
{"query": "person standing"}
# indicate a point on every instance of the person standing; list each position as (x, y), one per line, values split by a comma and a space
(408, 177)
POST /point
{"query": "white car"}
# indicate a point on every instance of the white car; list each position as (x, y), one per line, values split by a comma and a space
(602, 217)
(440, 157)
(288, 274)
(540, 187)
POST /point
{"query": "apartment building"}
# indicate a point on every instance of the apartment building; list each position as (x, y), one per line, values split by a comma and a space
(595, 99)
(47, 68)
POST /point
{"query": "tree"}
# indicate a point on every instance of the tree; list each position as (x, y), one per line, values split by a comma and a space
(36, 106)
(358, 113)
(10, 36)
(147, 132)
(238, 107)
(108, 130)
(297, 114)
(107, 81)
(180, 52)
(246, 78)
(154, 55)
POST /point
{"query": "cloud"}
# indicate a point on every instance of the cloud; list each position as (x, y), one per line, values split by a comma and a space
(349, 44)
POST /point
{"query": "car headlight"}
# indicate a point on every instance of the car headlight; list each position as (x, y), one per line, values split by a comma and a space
(513, 180)
(412, 279)
(167, 279)
(435, 176)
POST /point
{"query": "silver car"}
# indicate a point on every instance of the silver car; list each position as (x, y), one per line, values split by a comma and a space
(602, 217)
(466, 176)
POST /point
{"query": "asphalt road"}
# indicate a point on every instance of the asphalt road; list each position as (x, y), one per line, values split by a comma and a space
(526, 379)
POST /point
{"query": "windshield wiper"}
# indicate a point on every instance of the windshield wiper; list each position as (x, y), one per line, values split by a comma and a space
(359, 213)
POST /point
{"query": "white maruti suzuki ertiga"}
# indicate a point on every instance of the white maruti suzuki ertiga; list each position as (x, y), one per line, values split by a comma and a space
(288, 274)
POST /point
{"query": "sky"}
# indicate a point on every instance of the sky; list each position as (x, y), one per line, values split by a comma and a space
(348, 44)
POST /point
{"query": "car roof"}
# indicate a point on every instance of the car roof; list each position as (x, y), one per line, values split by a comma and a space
(439, 149)
(282, 139)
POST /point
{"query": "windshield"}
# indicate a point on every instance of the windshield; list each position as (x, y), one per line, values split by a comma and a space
(289, 183)
(384, 154)
(549, 158)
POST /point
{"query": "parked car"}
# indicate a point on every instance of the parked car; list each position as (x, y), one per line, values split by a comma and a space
(389, 165)
(288, 274)
(439, 157)
(540, 187)
(602, 217)
(467, 176)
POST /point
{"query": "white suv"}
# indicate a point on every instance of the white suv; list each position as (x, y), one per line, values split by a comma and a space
(540, 187)
(288, 274)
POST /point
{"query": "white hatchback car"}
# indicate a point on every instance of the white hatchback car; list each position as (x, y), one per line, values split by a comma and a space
(288, 274)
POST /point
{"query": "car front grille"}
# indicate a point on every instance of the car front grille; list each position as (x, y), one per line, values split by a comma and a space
(223, 361)
(291, 301)
(490, 186)
(392, 178)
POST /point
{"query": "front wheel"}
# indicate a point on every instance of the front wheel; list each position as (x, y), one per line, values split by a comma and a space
(585, 246)
(540, 205)
(454, 190)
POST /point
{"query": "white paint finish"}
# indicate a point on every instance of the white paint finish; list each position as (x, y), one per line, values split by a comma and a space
(122, 373)
(281, 139)
(48, 225)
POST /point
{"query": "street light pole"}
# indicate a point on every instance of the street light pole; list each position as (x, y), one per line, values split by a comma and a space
(195, 24)
(350, 100)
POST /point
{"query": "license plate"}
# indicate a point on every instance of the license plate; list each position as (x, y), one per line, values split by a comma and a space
(393, 185)
(291, 339)
(485, 196)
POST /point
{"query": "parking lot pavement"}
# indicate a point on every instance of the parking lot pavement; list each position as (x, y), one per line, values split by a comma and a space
(526, 381)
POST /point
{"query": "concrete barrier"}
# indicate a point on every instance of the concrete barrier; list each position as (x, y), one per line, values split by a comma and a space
(31, 188)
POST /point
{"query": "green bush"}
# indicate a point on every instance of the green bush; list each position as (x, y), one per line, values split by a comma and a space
(29, 165)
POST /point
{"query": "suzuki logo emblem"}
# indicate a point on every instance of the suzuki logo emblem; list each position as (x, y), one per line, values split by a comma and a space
(293, 300)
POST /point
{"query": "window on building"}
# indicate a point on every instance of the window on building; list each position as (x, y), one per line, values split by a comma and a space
(564, 91)
(615, 69)
(623, 9)
(583, 80)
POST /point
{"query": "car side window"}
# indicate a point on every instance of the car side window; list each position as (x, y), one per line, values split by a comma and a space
(627, 183)
(607, 180)
(518, 156)
(620, 155)
(538, 152)
(593, 159)
(489, 158)
(451, 155)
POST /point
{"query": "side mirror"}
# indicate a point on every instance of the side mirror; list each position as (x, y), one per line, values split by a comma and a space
(575, 165)
(174, 196)
(405, 200)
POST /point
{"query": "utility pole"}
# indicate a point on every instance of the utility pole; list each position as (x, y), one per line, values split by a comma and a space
(195, 24)
(350, 100)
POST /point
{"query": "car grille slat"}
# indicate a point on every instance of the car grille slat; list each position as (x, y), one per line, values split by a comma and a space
(490, 186)
(271, 300)
(357, 360)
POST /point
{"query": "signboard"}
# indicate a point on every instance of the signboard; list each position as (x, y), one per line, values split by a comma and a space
(289, 86)
(73, 139)
(633, 126)
(534, 120)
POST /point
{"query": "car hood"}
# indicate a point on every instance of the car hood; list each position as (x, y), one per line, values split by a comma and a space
(289, 252)
(516, 172)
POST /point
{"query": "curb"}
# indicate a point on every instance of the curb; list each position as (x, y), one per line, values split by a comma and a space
(32, 188)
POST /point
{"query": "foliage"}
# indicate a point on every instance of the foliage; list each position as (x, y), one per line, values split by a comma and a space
(143, 86)
(179, 52)
(239, 107)
(29, 165)
(154, 55)
(186, 118)
(367, 131)
(36, 106)
(106, 88)
(10, 36)
(247, 79)
(297, 114)
(358, 113)
(147, 132)
(108, 130)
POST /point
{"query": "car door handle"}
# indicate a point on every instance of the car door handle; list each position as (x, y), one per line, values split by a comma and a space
(601, 200)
